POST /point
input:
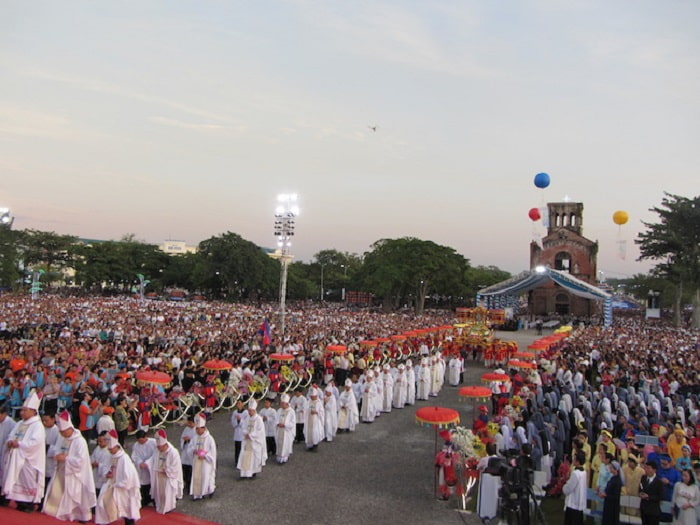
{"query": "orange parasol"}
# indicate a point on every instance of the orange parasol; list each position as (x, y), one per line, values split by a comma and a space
(217, 364)
(153, 377)
(514, 363)
(282, 357)
(383, 340)
(336, 349)
(523, 355)
(369, 343)
(398, 338)
(495, 376)
(436, 417)
(475, 392)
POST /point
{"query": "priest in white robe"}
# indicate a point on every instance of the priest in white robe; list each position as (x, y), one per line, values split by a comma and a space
(423, 380)
(455, 367)
(6, 426)
(70, 495)
(399, 400)
(254, 448)
(204, 466)
(120, 496)
(387, 388)
(286, 430)
(348, 414)
(330, 409)
(314, 429)
(410, 383)
(369, 395)
(166, 474)
(25, 458)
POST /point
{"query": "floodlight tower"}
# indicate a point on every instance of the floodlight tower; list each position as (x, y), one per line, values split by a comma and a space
(285, 215)
(6, 219)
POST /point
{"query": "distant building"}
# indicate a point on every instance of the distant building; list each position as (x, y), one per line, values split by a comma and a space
(564, 248)
(172, 247)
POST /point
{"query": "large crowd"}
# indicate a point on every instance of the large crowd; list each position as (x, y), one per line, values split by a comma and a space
(613, 403)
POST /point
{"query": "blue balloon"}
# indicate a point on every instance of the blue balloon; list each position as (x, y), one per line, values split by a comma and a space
(542, 180)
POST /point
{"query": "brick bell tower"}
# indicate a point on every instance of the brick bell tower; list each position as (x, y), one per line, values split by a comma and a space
(564, 248)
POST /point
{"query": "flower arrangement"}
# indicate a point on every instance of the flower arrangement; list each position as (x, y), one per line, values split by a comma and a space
(517, 401)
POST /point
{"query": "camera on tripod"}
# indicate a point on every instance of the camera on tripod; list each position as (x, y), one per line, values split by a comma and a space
(515, 475)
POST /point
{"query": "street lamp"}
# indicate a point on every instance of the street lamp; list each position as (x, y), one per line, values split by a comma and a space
(345, 277)
(285, 216)
(322, 265)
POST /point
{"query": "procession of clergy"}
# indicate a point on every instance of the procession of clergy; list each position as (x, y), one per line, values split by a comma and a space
(45, 461)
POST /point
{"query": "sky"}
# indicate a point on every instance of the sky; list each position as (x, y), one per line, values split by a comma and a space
(185, 119)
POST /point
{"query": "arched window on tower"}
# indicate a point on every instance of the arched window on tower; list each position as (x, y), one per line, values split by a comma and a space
(562, 262)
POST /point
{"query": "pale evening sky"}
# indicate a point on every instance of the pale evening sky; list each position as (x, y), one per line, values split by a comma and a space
(184, 119)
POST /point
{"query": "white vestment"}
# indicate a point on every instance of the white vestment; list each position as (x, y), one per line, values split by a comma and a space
(286, 430)
(24, 468)
(330, 408)
(410, 385)
(348, 415)
(423, 382)
(120, 496)
(387, 391)
(253, 454)
(455, 369)
(70, 495)
(204, 466)
(166, 479)
(103, 458)
(400, 390)
(314, 430)
(369, 394)
(141, 453)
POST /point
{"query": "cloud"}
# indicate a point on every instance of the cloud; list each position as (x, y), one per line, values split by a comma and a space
(165, 121)
(394, 34)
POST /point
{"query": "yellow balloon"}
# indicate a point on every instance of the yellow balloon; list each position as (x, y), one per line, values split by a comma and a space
(620, 217)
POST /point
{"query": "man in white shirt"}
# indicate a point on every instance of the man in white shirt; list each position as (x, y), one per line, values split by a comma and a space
(575, 490)
(269, 417)
(141, 453)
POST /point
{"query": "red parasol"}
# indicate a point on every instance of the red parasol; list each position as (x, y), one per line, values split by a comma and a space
(282, 357)
(514, 363)
(369, 343)
(336, 349)
(398, 338)
(476, 392)
(523, 355)
(436, 417)
(383, 340)
(217, 364)
(153, 377)
(495, 377)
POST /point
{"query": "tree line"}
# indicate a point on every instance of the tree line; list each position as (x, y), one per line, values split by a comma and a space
(397, 272)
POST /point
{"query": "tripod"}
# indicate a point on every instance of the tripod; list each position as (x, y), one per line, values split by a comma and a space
(515, 508)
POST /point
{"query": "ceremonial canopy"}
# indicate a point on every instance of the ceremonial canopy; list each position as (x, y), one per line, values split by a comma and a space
(505, 293)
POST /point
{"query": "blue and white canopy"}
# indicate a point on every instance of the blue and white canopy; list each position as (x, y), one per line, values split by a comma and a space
(526, 281)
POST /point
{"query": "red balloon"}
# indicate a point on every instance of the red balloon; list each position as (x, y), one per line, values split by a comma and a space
(534, 214)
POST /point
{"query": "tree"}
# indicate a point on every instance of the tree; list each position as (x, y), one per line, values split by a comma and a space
(48, 250)
(337, 269)
(117, 263)
(9, 258)
(675, 243)
(398, 270)
(478, 277)
(238, 268)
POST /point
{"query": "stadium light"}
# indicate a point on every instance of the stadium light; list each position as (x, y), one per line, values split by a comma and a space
(285, 218)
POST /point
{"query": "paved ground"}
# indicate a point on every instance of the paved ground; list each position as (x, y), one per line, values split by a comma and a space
(381, 473)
